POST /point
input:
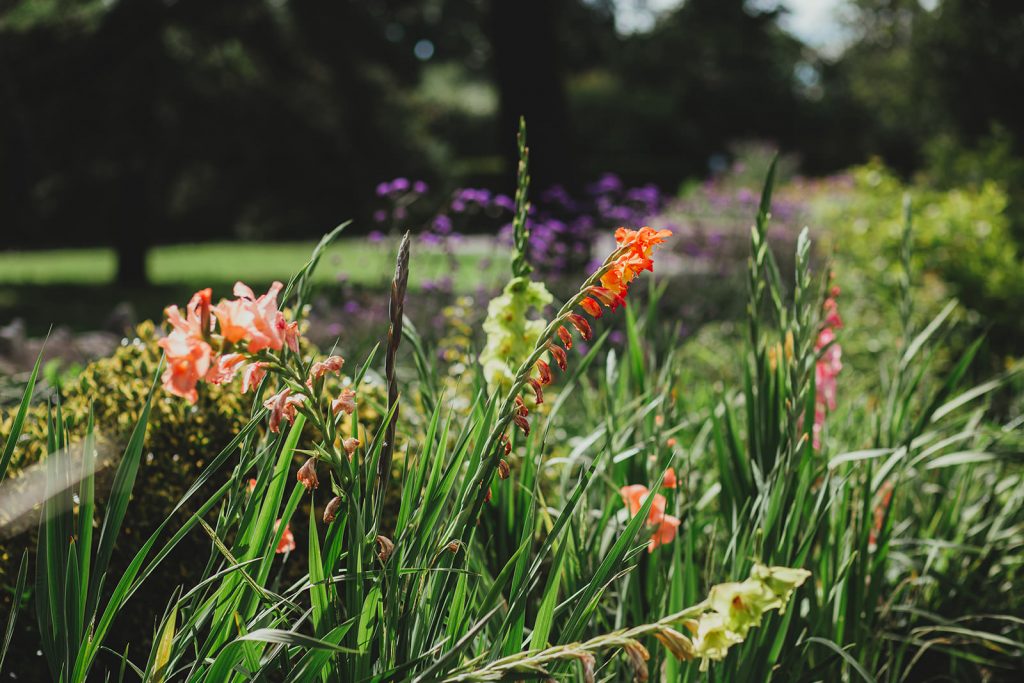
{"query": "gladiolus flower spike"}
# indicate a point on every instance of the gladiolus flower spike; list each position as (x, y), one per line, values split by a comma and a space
(607, 286)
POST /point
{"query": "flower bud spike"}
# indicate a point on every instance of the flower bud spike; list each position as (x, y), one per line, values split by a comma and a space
(559, 355)
(538, 395)
(566, 338)
(582, 326)
(544, 370)
(506, 443)
(591, 307)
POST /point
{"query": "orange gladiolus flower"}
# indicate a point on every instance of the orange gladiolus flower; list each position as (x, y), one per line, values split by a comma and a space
(634, 261)
(665, 533)
(670, 478)
(665, 526)
(635, 496)
(287, 542)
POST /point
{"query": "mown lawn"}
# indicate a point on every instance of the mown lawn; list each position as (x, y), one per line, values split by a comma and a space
(355, 259)
(76, 286)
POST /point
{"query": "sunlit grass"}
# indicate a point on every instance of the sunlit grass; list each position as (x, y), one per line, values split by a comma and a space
(354, 260)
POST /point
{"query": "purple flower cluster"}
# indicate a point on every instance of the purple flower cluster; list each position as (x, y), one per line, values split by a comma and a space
(399, 194)
(563, 227)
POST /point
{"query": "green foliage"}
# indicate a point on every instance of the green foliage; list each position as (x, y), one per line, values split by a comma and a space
(962, 236)
(908, 516)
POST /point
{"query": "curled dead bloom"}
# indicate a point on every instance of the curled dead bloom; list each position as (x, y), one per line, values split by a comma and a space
(224, 367)
(331, 364)
(307, 475)
(587, 664)
(331, 511)
(453, 546)
(350, 444)
(503, 469)
(283, 406)
(386, 546)
(638, 656)
(345, 402)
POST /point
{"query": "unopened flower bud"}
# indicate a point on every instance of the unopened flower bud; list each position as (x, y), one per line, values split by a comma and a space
(581, 325)
(503, 469)
(566, 338)
(679, 645)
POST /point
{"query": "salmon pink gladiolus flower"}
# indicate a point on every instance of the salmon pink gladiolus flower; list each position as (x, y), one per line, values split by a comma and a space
(635, 496)
(664, 526)
(287, 542)
(665, 533)
(670, 479)
(235, 318)
(268, 329)
(224, 367)
(252, 376)
(197, 321)
(188, 361)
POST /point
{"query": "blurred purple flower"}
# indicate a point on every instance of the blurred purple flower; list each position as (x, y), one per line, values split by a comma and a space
(608, 182)
(380, 215)
(442, 224)
(420, 187)
(399, 184)
(375, 236)
(503, 201)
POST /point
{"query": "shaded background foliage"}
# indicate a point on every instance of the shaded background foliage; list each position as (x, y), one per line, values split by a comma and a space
(139, 122)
